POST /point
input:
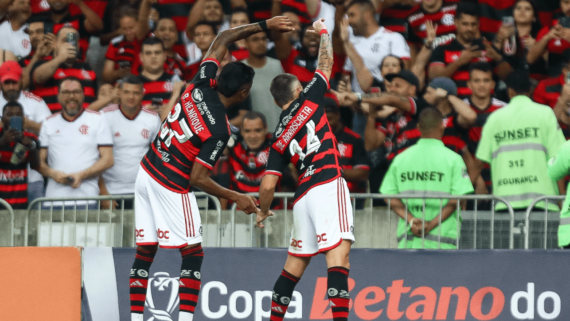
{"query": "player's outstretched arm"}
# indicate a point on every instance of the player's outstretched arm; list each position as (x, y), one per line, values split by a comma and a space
(200, 177)
(266, 192)
(220, 45)
(325, 60)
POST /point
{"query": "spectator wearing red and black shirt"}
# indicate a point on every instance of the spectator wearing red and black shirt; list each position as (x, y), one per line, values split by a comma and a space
(452, 60)
(440, 13)
(166, 30)
(204, 35)
(122, 51)
(87, 23)
(482, 102)
(394, 15)
(239, 17)
(158, 83)
(41, 48)
(248, 155)
(548, 90)
(14, 169)
(46, 75)
(353, 158)
(554, 39)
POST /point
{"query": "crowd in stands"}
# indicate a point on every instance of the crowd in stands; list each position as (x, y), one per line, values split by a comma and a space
(91, 79)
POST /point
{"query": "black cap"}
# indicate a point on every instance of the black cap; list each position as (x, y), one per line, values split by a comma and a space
(331, 103)
(407, 76)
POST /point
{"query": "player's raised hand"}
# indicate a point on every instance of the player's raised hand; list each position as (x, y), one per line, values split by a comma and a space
(261, 216)
(280, 23)
(247, 203)
(319, 25)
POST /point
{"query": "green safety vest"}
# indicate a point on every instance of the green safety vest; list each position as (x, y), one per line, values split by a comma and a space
(425, 169)
(517, 140)
(558, 168)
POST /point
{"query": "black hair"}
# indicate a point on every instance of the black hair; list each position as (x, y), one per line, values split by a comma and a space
(536, 25)
(151, 42)
(164, 18)
(282, 88)
(519, 81)
(131, 80)
(69, 78)
(253, 115)
(400, 60)
(364, 3)
(481, 66)
(233, 77)
(130, 12)
(62, 28)
(566, 58)
(430, 118)
(207, 23)
(467, 8)
(12, 104)
(241, 10)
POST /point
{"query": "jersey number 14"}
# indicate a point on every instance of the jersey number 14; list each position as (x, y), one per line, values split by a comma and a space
(313, 144)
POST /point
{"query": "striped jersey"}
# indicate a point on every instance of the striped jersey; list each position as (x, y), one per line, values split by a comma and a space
(75, 21)
(352, 155)
(304, 138)
(196, 130)
(120, 49)
(247, 167)
(160, 88)
(49, 90)
(447, 54)
(548, 90)
(443, 18)
(14, 178)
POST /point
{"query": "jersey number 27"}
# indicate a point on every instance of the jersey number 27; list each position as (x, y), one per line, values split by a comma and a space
(171, 133)
(313, 144)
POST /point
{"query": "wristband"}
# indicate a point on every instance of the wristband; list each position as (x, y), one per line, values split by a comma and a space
(359, 97)
(323, 31)
(263, 25)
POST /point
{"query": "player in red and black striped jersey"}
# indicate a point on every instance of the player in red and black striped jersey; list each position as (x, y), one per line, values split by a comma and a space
(440, 13)
(123, 50)
(249, 153)
(46, 75)
(14, 169)
(87, 23)
(452, 60)
(192, 138)
(321, 211)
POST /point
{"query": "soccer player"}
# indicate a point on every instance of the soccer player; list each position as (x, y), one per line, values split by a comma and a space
(322, 210)
(191, 139)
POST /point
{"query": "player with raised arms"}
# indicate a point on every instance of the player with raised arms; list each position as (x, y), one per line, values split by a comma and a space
(192, 137)
(322, 211)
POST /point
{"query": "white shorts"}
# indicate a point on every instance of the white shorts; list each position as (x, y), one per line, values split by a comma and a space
(163, 217)
(322, 219)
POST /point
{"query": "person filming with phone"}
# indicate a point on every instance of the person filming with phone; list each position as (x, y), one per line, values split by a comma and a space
(18, 148)
(46, 74)
(76, 146)
(452, 60)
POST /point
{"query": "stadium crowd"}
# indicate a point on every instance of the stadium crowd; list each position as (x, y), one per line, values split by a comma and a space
(125, 58)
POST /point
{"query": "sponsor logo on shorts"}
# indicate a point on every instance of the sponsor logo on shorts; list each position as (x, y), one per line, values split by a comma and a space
(162, 234)
(139, 233)
(322, 238)
(296, 243)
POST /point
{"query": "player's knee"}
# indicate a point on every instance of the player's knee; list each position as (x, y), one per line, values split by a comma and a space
(191, 246)
(147, 248)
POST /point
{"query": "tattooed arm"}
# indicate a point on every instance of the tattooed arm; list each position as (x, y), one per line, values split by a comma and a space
(325, 60)
(400, 102)
(219, 47)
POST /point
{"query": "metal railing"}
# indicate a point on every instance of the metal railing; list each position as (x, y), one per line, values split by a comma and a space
(287, 197)
(529, 211)
(12, 220)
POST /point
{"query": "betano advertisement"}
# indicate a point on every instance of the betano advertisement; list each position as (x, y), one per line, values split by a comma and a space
(384, 285)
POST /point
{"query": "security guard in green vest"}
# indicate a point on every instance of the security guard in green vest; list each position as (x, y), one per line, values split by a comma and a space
(427, 169)
(558, 168)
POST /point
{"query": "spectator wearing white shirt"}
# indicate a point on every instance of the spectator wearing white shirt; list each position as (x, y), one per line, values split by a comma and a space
(35, 112)
(14, 31)
(76, 146)
(133, 128)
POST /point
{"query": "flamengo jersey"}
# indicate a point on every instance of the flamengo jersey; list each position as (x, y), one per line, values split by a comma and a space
(131, 139)
(35, 109)
(373, 50)
(247, 167)
(444, 19)
(49, 90)
(196, 130)
(18, 41)
(304, 138)
(160, 88)
(73, 146)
